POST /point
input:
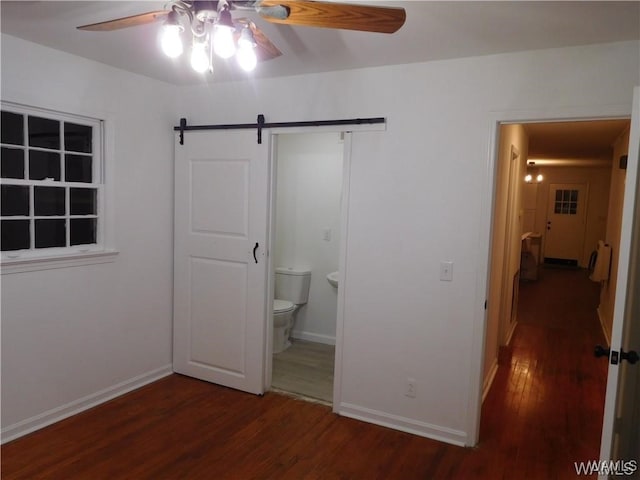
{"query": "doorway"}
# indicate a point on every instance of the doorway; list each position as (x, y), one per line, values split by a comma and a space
(307, 186)
(560, 168)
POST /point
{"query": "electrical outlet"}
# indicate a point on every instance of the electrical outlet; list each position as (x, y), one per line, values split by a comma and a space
(410, 389)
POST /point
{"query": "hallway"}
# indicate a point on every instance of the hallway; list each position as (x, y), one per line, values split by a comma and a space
(545, 408)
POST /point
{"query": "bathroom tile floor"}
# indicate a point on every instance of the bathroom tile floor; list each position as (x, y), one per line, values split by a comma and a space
(305, 369)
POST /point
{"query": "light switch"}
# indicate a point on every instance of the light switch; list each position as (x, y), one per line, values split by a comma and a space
(446, 271)
(326, 234)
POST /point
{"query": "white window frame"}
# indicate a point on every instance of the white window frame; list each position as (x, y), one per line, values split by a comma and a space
(32, 259)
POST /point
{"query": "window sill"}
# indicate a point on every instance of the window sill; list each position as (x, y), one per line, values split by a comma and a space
(32, 264)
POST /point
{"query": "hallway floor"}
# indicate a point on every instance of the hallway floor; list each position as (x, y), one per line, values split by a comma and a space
(544, 410)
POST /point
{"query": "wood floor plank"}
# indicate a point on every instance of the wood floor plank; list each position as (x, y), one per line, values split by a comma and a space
(543, 412)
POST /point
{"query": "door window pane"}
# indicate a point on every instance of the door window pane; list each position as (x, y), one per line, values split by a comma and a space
(44, 165)
(78, 168)
(83, 201)
(12, 128)
(15, 200)
(49, 200)
(83, 231)
(15, 234)
(44, 132)
(12, 163)
(78, 138)
(50, 233)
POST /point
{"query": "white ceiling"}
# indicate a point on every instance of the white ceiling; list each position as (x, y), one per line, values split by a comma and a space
(433, 30)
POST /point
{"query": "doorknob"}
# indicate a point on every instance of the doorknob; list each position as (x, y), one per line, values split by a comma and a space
(600, 351)
(631, 356)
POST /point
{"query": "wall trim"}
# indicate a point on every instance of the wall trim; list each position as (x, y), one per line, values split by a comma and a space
(314, 337)
(404, 424)
(602, 325)
(488, 381)
(72, 408)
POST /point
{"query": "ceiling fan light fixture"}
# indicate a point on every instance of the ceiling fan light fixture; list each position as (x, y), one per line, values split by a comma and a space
(170, 40)
(199, 57)
(246, 54)
(223, 42)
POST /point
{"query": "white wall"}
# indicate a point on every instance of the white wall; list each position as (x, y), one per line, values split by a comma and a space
(309, 186)
(418, 195)
(75, 336)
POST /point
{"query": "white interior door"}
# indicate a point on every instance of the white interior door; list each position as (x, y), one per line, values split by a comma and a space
(220, 269)
(621, 423)
(566, 211)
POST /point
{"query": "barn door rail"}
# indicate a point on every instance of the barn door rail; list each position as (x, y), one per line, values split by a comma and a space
(261, 123)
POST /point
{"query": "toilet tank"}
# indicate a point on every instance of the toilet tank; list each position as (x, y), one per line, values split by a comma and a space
(292, 284)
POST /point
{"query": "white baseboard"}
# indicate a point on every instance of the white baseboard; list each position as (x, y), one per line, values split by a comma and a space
(510, 333)
(403, 424)
(604, 328)
(314, 337)
(72, 408)
(488, 381)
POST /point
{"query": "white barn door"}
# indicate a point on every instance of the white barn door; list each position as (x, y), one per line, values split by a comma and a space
(220, 266)
(621, 423)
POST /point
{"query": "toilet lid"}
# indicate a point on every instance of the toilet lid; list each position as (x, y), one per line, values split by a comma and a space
(280, 306)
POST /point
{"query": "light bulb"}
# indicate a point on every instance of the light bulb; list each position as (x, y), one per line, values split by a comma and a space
(246, 57)
(199, 57)
(223, 43)
(527, 178)
(539, 178)
(170, 40)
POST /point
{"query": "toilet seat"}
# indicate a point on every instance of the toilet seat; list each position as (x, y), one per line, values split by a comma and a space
(282, 306)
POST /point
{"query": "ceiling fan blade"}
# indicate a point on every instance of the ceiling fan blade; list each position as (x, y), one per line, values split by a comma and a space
(125, 22)
(265, 50)
(366, 18)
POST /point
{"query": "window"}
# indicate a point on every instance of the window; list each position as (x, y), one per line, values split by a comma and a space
(566, 202)
(51, 169)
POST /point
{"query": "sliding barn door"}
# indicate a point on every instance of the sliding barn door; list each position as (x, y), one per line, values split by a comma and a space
(220, 266)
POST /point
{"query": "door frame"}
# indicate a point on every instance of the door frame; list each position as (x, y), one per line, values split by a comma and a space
(347, 131)
(495, 120)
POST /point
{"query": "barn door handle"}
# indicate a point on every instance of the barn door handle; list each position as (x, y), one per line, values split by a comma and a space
(254, 252)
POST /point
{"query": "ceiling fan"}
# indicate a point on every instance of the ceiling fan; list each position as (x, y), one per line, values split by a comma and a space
(214, 29)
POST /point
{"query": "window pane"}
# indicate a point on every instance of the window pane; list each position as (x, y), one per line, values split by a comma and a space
(574, 195)
(44, 132)
(565, 195)
(12, 163)
(83, 231)
(44, 165)
(51, 233)
(558, 195)
(573, 208)
(49, 201)
(78, 138)
(15, 234)
(557, 207)
(15, 200)
(78, 168)
(83, 201)
(12, 128)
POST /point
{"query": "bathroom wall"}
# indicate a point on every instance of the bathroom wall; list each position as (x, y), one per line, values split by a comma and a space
(309, 186)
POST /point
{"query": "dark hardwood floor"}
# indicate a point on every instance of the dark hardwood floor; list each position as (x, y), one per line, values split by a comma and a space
(543, 413)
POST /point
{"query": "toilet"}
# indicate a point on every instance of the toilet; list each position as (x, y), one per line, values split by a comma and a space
(291, 292)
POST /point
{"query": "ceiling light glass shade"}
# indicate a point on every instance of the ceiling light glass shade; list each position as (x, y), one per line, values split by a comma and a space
(246, 57)
(223, 44)
(199, 57)
(170, 40)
